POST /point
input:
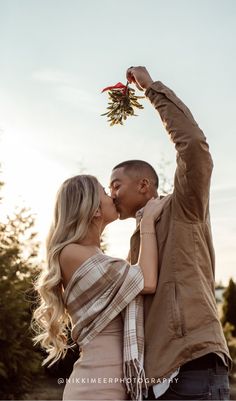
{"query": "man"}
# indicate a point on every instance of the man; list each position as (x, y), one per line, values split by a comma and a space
(186, 356)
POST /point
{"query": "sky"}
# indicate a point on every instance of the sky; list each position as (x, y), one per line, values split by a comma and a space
(57, 55)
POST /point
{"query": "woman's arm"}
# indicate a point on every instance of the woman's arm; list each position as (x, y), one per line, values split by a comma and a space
(148, 256)
(148, 252)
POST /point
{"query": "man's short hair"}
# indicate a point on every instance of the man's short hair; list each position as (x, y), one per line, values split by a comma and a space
(140, 167)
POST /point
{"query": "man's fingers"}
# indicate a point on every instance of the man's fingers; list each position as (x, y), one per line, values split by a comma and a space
(138, 86)
(129, 75)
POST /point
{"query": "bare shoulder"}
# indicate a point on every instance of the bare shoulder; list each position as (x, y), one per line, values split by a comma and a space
(71, 258)
(72, 253)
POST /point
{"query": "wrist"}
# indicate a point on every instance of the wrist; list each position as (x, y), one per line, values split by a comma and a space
(147, 224)
(147, 84)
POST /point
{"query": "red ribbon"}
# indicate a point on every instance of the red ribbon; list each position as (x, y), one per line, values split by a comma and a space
(119, 85)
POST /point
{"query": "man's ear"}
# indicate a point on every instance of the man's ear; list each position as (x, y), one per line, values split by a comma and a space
(144, 185)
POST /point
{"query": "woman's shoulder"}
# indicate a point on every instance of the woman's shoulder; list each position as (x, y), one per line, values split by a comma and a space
(76, 255)
(72, 257)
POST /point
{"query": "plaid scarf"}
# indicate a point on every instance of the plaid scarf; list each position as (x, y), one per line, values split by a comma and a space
(97, 292)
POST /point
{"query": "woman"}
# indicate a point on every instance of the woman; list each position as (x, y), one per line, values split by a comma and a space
(97, 294)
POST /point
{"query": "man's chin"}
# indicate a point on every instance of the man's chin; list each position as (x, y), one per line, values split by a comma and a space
(122, 216)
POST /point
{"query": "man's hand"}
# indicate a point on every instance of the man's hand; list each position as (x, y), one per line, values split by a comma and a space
(139, 76)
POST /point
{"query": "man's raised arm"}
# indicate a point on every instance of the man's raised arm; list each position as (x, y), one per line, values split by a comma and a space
(194, 162)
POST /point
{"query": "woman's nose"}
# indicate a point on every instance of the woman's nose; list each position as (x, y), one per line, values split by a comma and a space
(112, 194)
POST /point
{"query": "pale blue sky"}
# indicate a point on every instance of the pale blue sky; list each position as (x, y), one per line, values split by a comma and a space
(56, 56)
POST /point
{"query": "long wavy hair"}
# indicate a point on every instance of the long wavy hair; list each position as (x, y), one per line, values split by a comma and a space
(76, 203)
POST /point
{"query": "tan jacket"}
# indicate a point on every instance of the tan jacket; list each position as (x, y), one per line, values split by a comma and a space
(181, 319)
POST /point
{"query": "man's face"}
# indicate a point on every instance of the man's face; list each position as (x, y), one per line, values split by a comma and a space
(125, 193)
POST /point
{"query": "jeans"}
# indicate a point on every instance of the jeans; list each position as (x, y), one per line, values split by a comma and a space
(207, 384)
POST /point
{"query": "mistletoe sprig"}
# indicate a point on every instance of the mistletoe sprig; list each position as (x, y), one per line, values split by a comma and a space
(122, 100)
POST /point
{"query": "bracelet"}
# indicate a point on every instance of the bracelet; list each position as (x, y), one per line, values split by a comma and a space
(147, 232)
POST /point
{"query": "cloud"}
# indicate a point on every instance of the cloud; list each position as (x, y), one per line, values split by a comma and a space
(225, 199)
(222, 188)
(77, 97)
(223, 194)
(67, 88)
(53, 76)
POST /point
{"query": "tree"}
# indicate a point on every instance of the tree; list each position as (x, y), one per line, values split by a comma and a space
(18, 260)
(229, 306)
(166, 185)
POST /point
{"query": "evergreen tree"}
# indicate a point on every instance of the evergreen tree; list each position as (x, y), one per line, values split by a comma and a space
(18, 253)
(229, 306)
(165, 183)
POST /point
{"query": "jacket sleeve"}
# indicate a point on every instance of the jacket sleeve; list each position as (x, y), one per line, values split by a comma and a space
(194, 162)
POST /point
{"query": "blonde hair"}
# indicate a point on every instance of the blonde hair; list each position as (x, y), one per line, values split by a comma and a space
(76, 203)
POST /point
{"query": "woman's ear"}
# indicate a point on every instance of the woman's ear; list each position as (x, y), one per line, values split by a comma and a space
(98, 212)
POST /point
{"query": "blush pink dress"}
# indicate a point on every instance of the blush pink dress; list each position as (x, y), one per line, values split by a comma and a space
(98, 373)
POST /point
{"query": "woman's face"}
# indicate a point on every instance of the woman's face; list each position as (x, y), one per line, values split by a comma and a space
(108, 209)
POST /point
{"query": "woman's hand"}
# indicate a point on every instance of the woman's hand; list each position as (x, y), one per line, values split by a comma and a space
(154, 208)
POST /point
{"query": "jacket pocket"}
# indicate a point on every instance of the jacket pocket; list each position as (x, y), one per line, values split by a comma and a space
(175, 312)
